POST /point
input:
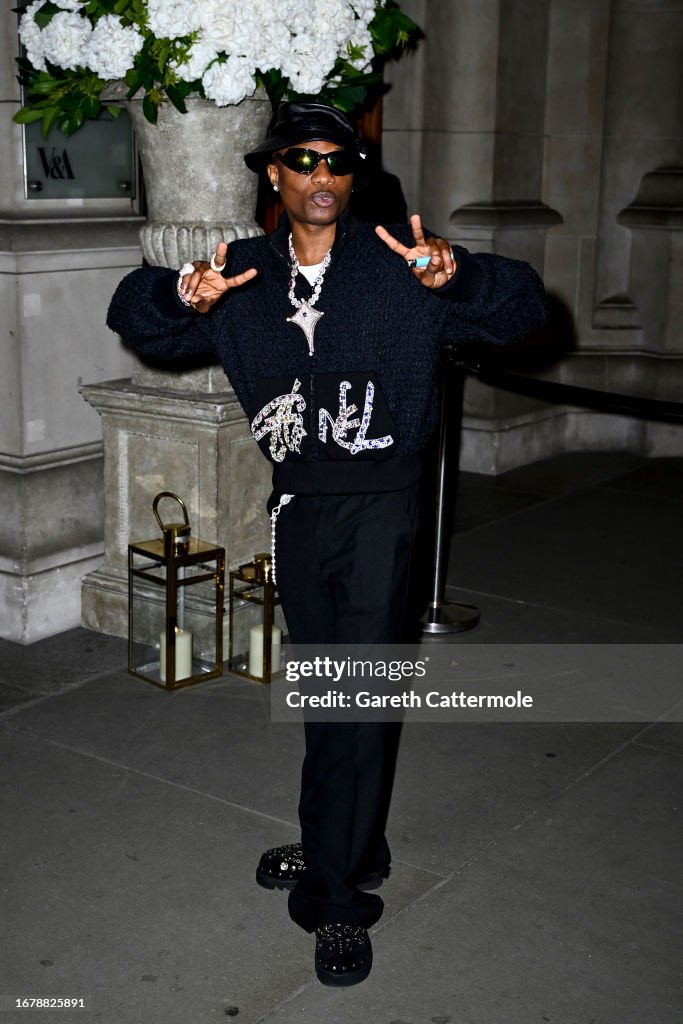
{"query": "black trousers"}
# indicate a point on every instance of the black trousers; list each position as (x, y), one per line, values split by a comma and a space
(342, 572)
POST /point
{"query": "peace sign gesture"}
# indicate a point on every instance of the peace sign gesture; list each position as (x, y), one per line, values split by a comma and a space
(441, 266)
(206, 283)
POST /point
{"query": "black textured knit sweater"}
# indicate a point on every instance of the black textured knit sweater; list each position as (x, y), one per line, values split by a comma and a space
(352, 417)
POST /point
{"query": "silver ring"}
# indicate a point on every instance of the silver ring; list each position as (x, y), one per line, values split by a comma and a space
(187, 268)
(212, 264)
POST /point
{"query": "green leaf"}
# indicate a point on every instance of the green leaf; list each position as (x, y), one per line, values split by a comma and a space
(391, 29)
(346, 98)
(114, 111)
(164, 51)
(133, 80)
(150, 110)
(364, 78)
(45, 15)
(91, 107)
(71, 103)
(275, 85)
(49, 118)
(46, 103)
(176, 97)
(69, 123)
(27, 115)
(43, 84)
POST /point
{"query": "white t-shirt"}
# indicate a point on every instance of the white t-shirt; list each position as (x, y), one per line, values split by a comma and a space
(310, 273)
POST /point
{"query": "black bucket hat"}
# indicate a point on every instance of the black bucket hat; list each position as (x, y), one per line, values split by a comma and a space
(302, 122)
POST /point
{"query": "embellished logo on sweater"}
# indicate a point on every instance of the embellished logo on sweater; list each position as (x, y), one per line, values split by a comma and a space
(282, 420)
(347, 420)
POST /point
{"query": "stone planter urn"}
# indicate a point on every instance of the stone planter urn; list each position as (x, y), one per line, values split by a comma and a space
(182, 431)
(199, 191)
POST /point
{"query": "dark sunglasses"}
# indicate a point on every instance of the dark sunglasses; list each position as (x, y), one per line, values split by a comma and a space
(305, 161)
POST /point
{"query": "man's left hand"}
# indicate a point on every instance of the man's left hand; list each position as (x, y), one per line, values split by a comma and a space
(441, 266)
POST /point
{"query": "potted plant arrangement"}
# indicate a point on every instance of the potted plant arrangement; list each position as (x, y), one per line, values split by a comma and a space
(196, 77)
(213, 49)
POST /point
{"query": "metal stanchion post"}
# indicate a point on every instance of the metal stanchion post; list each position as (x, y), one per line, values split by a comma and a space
(442, 616)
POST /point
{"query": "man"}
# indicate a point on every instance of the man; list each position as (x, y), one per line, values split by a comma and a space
(329, 331)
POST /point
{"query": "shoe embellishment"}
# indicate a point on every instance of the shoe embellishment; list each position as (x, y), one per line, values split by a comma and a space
(281, 867)
(343, 954)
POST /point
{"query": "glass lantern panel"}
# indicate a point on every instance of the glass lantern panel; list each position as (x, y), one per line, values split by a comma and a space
(147, 626)
(247, 631)
(195, 622)
(197, 614)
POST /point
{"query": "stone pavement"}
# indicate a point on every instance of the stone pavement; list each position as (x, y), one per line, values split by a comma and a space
(537, 868)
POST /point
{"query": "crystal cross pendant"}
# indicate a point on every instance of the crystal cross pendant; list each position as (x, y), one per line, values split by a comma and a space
(306, 318)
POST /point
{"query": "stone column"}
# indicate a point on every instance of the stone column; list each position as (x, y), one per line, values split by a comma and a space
(655, 221)
(574, 118)
(550, 130)
(642, 133)
(465, 134)
(60, 260)
(498, 204)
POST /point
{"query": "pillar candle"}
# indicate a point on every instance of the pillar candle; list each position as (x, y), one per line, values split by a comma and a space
(256, 650)
(183, 655)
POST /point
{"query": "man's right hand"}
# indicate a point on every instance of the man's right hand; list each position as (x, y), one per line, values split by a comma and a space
(205, 286)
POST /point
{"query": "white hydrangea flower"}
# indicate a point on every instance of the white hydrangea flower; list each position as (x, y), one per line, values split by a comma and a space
(201, 54)
(301, 38)
(365, 9)
(238, 28)
(31, 36)
(361, 37)
(169, 19)
(309, 63)
(230, 82)
(65, 39)
(112, 48)
(274, 48)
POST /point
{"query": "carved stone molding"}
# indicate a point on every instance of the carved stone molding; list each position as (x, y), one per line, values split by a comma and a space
(505, 215)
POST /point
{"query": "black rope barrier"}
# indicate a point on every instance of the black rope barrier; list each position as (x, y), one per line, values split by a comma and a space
(442, 616)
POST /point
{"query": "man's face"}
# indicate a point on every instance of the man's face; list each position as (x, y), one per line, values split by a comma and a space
(316, 198)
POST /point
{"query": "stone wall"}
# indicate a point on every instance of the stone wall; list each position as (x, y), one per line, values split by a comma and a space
(59, 261)
(551, 131)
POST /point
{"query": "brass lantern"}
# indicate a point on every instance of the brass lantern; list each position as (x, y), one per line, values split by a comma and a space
(175, 605)
(257, 625)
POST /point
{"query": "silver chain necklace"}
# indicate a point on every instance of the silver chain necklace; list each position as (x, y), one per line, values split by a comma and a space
(306, 317)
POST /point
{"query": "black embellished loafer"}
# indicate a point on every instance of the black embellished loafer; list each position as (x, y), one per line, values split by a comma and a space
(282, 867)
(343, 954)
